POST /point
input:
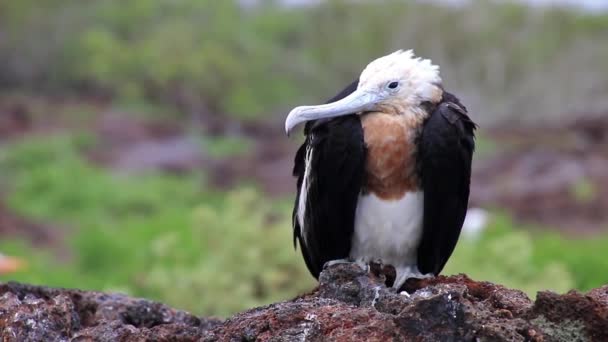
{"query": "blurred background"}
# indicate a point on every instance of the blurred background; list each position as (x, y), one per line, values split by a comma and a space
(142, 150)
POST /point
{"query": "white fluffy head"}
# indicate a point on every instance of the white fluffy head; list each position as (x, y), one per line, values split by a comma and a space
(418, 78)
(395, 84)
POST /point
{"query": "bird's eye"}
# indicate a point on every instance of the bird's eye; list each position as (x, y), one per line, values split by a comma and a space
(393, 85)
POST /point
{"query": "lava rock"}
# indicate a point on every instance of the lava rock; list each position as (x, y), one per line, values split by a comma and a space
(350, 304)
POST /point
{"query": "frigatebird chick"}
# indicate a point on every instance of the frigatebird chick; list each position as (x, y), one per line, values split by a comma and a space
(384, 171)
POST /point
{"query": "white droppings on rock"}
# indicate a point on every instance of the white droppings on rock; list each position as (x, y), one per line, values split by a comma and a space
(404, 293)
(31, 300)
(11, 332)
(308, 325)
(376, 296)
(31, 323)
(425, 293)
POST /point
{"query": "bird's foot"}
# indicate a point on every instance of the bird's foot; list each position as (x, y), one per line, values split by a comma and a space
(377, 268)
(408, 274)
(359, 263)
(409, 283)
(382, 271)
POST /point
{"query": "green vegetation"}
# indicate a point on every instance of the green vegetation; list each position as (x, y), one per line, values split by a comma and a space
(221, 58)
(507, 256)
(225, 146)
(531, 259)
(172, 239)
(156, 236)
(176, 239)
(584, 191)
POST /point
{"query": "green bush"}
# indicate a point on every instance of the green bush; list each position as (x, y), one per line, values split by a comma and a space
(506, 256)
(172, 239)
(219, 58)
(531, 258)
(247, 258)
(156, 236)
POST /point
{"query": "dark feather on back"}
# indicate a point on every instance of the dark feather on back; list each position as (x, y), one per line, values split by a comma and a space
(338, 154)
(445, 150)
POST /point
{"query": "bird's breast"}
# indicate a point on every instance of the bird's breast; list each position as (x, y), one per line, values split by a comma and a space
(390, 166)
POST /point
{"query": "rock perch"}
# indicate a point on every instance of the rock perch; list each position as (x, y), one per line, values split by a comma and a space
(348, 305)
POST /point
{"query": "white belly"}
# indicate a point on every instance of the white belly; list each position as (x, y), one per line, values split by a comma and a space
(390, 231)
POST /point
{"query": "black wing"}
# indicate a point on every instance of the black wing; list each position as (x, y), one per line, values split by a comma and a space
(337, 155)
(446, 148)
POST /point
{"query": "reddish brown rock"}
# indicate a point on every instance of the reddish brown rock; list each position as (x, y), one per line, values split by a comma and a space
(32, 313)
(348, 305)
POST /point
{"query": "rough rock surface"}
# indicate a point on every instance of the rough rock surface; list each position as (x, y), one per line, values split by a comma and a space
(348, 305)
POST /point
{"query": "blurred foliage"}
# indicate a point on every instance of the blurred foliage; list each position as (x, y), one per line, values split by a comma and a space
(156, 236)
(246, 259)
(584, 190)
(173, 239)
(216, 57)
(507, 257)
(223, 146)
(531, 258)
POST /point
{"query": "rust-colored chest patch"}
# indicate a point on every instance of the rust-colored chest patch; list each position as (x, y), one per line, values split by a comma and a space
(390, 165)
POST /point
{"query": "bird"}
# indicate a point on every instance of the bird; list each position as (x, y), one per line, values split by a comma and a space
(383, 174)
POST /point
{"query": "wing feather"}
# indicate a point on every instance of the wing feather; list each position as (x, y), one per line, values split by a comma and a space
(445, 153)
(337, 155)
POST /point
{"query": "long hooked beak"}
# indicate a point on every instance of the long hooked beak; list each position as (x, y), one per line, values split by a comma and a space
(358, 101)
